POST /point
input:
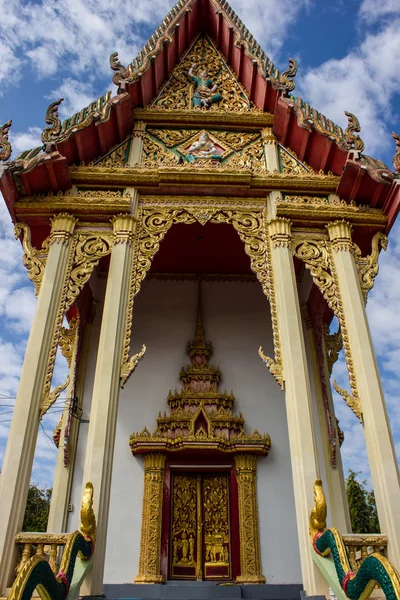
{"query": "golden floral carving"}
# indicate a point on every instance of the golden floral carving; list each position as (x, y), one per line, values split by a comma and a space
(128, 368)
(5, 144)
(177, 93)
(88, 518)
(275, 364)
(116, 157)
(236, 140)
(150, 540)
(290, 163)
(368, 266)
(352, 400)
(251, 157)
(61, 232)
(396, 157)
(316, 254)
(250, 561)
(155, 155)
(34, 260)
(68, 337)
(89, 249)
(333, 343)
(52, 397)
(318, 514)
(173, 137)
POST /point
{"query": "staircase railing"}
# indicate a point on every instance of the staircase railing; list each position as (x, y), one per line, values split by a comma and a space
(348, 575)
(38, 568)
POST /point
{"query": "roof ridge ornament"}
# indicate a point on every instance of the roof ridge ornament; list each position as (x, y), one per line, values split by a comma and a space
(5, 144)
(353, 141)
(396, 157)
(121, 74)
(49, 134)
(286, 83)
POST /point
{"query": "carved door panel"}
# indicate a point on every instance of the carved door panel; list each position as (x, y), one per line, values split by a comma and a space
(200, 533)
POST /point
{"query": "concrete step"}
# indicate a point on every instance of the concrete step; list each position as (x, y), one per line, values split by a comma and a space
(201, 590)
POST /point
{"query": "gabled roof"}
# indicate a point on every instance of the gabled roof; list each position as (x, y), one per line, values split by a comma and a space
(93, 131)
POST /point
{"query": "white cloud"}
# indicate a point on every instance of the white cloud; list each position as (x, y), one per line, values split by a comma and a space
(76, 94)
(25, 140)
(365, 81)
(372, 11)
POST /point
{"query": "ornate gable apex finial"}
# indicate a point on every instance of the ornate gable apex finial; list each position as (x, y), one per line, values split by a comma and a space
(167, 31)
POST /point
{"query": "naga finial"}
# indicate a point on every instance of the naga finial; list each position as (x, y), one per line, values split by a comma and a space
(121, 72)
(396, 157)
(49, 134)
(318, 514)
(286, 82)
(5, 145)
(353, 141)
(88, 518)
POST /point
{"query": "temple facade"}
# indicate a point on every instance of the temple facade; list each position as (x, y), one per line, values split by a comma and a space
(201, 231)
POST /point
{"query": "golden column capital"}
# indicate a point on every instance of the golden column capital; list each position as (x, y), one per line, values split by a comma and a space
(154, 462)
(124, 226)
(340, 234)
(280, 232)
(267, 136)
(245, 464)
(139, 129)
(62, 228)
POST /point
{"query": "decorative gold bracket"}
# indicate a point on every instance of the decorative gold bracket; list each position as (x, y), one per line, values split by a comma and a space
(353, 402)
(368, 266)
(34, 260)
(128, 368)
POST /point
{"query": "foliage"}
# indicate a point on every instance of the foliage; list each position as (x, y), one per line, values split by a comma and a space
(37, 509)
(362, 506)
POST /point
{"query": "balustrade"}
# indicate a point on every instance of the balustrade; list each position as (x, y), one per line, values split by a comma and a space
(49, 545)
(359, 546)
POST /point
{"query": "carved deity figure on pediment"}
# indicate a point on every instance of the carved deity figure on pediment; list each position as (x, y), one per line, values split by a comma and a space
(204, 147)
(204, 94)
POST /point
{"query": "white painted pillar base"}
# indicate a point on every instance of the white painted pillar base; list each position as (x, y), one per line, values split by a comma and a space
(378, 437)
(17, 466)
(297, 396)
(103, 413)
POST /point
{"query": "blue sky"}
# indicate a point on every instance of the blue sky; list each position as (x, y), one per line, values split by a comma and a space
(349, 59)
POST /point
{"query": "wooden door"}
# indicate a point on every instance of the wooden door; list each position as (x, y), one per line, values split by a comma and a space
(200, 544)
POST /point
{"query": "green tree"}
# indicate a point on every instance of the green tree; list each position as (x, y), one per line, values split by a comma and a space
(362, 507)
(37, 509)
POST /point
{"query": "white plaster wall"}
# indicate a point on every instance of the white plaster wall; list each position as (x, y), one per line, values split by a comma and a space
(236, 317)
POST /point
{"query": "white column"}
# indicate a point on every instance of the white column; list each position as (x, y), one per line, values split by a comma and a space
(57, 521)
(270, 150)
(103, 412)
(136, 147)
(378, 437)
(335, 482)
(297, 396)
(22, 438)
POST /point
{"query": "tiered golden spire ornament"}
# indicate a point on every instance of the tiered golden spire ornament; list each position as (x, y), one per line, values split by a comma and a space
(201, 416)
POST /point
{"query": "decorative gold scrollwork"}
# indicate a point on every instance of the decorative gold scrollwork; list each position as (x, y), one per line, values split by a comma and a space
(316, 258)
(333, 344)
(368, 266)
(155, 221)
(34, 260)
(88, 252)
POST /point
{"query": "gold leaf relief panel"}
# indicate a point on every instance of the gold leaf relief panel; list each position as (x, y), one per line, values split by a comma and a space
(179, 91)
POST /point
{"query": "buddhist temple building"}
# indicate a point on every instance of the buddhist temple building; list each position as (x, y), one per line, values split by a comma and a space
(202, 244)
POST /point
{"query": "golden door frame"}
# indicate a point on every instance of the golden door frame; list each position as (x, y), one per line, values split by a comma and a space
(153, 563)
